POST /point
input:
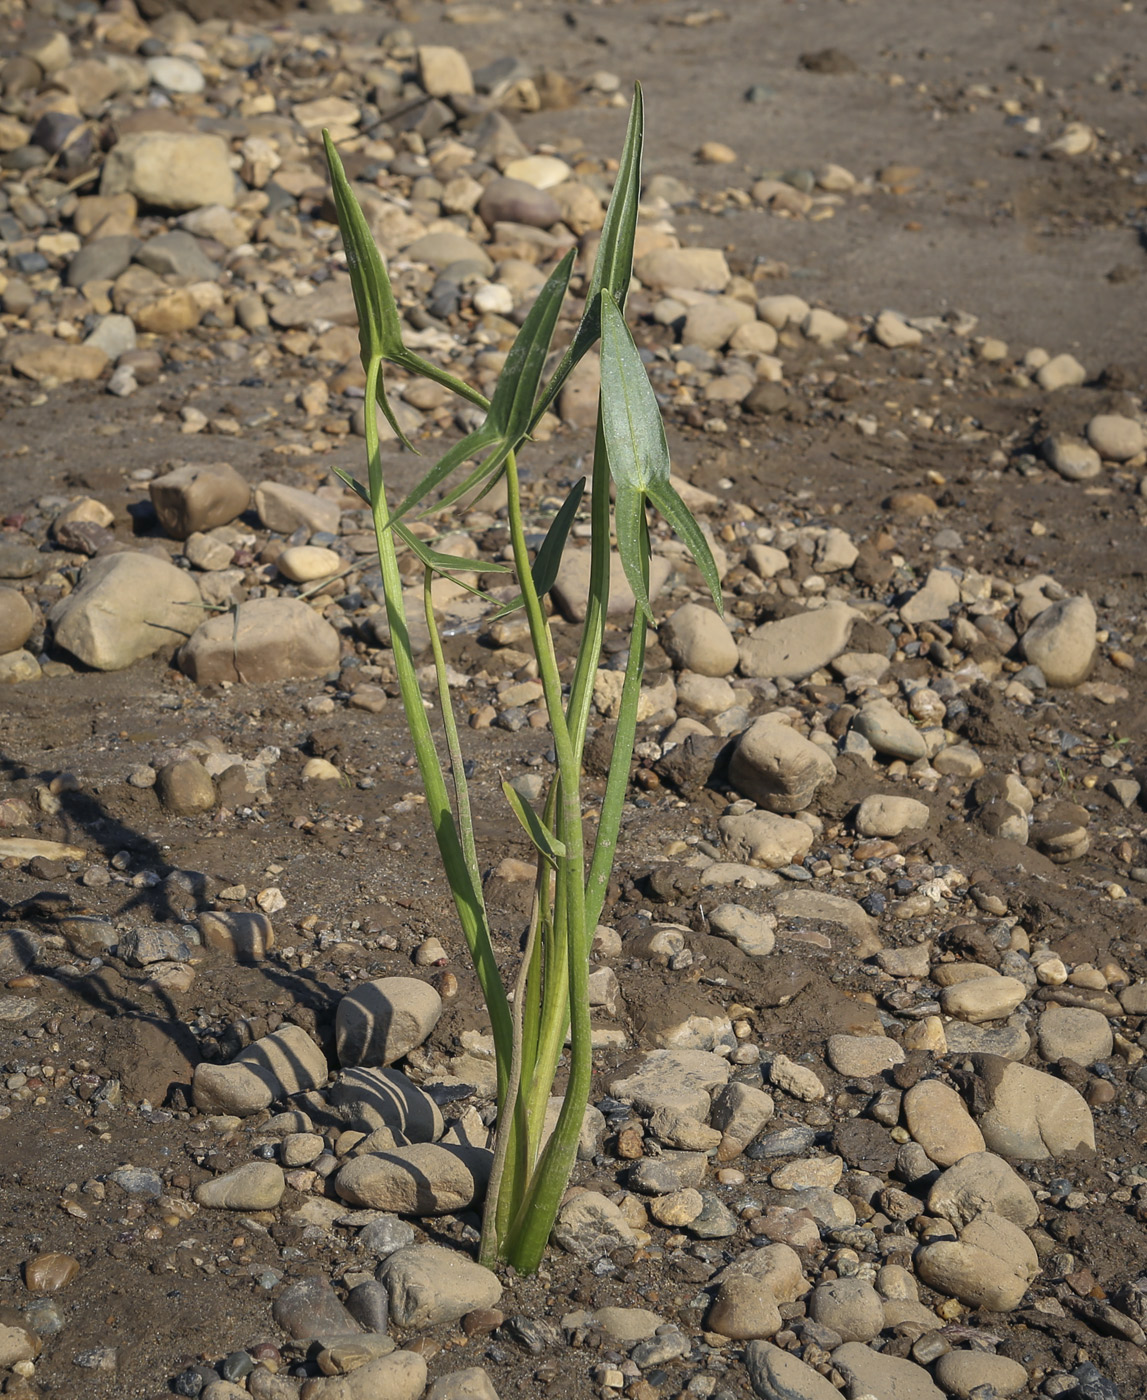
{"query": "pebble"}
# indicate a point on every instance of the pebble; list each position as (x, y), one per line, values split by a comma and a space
(761, 838)
(267, 639)
(244, 935)
(48, 1273)
(795, 647)
(983, 998)
(470, 1383)
(399, 1376)
(199, 498)
(888, 816)
(679, 1080)
(1072, 459)
(744, 1308)
(310, 1308)
(589, 1226)
(990, 1266)
(869, 1372)
(17, 621)
(283, 1063)
(1062, 642)
(824, 327)
(173, 170)
(1060, 372)
(889, 732)
(934, 601)
(431, 1286)
(851, 1307)
(1116, 438)
(687, 269)
(185, 787)
(798, 1080)
(306, 563)
(863, 1056)
(893, 332)
(252, 1186)
(1074, 1033)
(381, 1021)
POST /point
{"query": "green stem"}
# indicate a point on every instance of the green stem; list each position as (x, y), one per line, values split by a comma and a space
(597, 603)
(467, 892)
(530, 1230)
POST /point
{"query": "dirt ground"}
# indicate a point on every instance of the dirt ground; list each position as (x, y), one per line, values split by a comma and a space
(1044, 252)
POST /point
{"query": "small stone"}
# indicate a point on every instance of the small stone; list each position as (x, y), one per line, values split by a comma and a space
(888, 816)
(381, 1021)
(744, 1308)
(690, 269)
(697, 639)
(48, 1273)
(824, 328)
(1061, 372)
(678, 1208)
(17, 621)
(431, 1286)
(422, 1179)
(241, 934)
(440, 250)
(1062, 642)
(371, 1099)
(185, 787)
(797, 1080)
(518, 201)
(286, 509)
(169, 169)
(668, 1173)
(1072, 459)
(808, 1172)
(983, 999)
(17, 1345)
(399, 1376)
(681, 1080)
(59, 363)
(778, 768)
(893, 332)
(869, 1372)
(443, 71)
(306, 563)
(782, 310)
(175, 74)
(309, 1308)
(253, 1186)
(710, 324)
(753, 934)
(934, 601)
(470, 1383)
(863, 1056)
(1116, 438)
(125, 607)
(990, 1266)
(269, 639)
(889, 732)
(761, 838)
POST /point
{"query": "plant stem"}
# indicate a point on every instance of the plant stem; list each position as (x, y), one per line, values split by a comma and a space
(597, 602)
(466, 890)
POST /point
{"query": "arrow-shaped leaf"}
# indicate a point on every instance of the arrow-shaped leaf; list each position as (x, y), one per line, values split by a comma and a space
(513, 403)
(549, 557)
(613, 265)
(543, 839)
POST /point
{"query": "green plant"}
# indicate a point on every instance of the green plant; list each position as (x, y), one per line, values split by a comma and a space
(550, 996)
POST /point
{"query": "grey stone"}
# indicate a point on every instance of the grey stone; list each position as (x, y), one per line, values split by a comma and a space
(142, 947)
(990, 1266)
(795, 647)
(1072, 459)
(753, 933)
(383, 1237)
(431, 1286)
(936, 1117)
(696, 639)
(516, 202)
(960, 1373)
(743, 1309)
(777, 1266)
(850, 1306)
(371, 1098)
(310, 1308)
(17, 620)
(869, 1372)
(185, 787)
(1115, 437)
(762, 838)
(671, 1171)
(674, 1079)
(571, 588)
(779, 1375)
(888, 816)
(889, 732)
(268, 639)
(741, 1112)
(442, 249)
(399, 1376)
(935, 600)
(171, 170)
(102, 260)
(1061, 641)
(381, 1021)
(980, 1182)
(179, 254)
(1074, 1033)
(286, 509)
(125, 607)
(470, 1383)
(589, 1225)
(1029, 1114)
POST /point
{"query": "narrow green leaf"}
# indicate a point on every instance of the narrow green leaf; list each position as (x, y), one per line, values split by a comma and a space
(379, 323)
(447, 563)
(513, 402)
(664, 496)
(613, 265)
(543, 839)
(548, 559)
(355, 485)
(470, 446)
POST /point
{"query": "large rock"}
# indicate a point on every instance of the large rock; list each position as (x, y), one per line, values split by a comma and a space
(400, 1376)
(383, 1020)
(267, 639)
(252, 1186)
(990, 1266)
(936, 1117)
(590, 1225)
(682, 1080)
(889, 732)
(443, 71)
(1061, 641)
(125, 607)
(58, 361)
(423, 1179)
(571, 588)
(170, 169)
(778, 768)
(1074, 1033)
(286, 1062)
(761, 838)
(1029, 1114)
(516, 202)
(889, 815)
(17, 620)
(370, 1099)
(795, 647)
(779, 1375)
(690, 269)
(431, 1286)
(696, 639)
(286, 509)
(869, 1372)
(198, 498)
(979, 1182)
